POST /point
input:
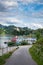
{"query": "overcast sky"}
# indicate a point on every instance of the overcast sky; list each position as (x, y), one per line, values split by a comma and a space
(22, 13)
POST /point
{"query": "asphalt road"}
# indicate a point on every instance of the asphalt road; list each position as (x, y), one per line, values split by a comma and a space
(21, 57)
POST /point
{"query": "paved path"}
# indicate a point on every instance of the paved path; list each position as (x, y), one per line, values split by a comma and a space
(21, 57)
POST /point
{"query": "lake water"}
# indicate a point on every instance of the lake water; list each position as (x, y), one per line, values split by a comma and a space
(7, 38)
(4, 38)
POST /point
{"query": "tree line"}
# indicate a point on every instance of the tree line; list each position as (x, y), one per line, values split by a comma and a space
(13, 30)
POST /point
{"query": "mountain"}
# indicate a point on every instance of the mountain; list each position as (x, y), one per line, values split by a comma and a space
(11, 29)
(15, 30)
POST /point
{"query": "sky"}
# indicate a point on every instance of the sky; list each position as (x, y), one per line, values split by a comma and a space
(22, 13)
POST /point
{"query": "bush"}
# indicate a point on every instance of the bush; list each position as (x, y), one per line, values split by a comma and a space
(37, 51)
(38, 35)
(4, 57)
(24, 42)
(40, 41)
(11, 43)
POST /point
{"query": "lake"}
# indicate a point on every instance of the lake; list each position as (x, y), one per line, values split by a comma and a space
(7, 38)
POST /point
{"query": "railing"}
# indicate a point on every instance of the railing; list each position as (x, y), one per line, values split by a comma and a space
(6, 50)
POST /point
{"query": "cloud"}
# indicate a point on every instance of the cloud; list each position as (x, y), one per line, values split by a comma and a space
(2, 8)
(37, 25)
(34, 25)
(20, 23)
(9, 3)
(22, 13)
(40, 1)
(10, 20)
(31, 1)
(6, 5)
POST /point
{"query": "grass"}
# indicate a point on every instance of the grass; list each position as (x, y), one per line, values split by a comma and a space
(5, 56)
(36, 55)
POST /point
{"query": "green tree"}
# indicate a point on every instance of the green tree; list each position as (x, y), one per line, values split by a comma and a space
(38, 35)
(1, 31)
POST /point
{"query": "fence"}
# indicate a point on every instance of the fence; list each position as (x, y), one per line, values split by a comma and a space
(6, 50)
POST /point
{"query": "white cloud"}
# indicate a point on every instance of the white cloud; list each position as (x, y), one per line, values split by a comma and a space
(32, 1)
(37, 25)
(18, 22)
(9, 3)
(37, 14)
(8, 20)
(19, 17)
(29, 1)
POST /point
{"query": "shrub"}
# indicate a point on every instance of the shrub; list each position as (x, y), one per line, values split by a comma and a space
(24, 42)
(11, 43)
(38, 35)
(37, 51)
(40, 41)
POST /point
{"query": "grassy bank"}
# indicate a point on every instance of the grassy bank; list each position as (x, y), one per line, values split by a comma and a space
(37, 54)
(5, 56)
